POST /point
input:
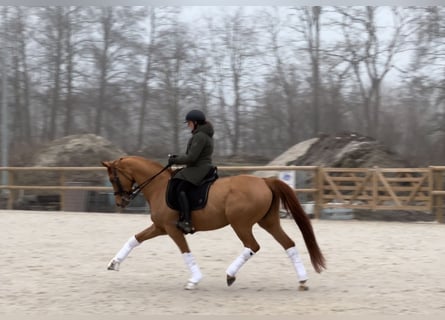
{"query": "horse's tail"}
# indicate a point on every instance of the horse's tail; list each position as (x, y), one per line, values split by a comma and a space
(290, 202)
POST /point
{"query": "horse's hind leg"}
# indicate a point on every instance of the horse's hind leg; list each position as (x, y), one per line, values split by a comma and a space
(271, 224)
(132, 243)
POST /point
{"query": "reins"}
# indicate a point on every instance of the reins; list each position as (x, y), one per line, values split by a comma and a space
(137, 189)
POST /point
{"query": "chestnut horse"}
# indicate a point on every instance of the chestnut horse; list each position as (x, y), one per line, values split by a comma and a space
(241, 201)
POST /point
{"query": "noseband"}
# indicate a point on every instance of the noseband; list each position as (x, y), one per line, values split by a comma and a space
(126, 195)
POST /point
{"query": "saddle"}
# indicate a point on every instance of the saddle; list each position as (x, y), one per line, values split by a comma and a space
(197, 196)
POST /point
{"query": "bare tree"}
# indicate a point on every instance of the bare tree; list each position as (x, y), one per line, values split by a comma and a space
(283, 72)
(111, 54)
(427, 80)
(217, 80)
(371, 57)
(130, 73)
(147, 76)
(308, 26)
(236, 39)
(51, 39)
(21, 81)
(175, 74)
(74, 40)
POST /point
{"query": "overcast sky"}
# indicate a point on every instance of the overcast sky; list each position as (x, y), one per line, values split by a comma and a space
(222, 2)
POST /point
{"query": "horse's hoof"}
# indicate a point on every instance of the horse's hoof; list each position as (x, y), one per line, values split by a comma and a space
(303, 286)
(230, 280)
(191, 285)
(113, 265)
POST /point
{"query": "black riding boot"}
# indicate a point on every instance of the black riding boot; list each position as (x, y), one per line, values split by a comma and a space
(184, 222)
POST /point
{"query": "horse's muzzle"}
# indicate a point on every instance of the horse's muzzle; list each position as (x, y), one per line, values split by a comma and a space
(123, 203)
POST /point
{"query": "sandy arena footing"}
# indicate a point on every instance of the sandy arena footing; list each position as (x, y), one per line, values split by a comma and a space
(55, 263)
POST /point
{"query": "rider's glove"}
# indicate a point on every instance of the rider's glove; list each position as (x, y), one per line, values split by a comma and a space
(172, 159)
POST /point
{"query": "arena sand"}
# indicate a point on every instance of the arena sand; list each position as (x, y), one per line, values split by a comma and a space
(54, 263)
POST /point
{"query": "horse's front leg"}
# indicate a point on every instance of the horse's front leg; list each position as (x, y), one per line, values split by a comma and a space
(195, 272)
(132, 243)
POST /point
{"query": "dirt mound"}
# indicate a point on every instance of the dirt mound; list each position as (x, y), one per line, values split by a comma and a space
(81, 150)
(345, 150)
(348, 150)
(287, 157)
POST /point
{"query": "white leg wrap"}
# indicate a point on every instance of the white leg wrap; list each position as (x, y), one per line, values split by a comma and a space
(239, 262)
(193, 267)
(297, 263)
(126, 249)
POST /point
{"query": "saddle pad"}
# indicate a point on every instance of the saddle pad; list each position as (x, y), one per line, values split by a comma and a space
(197, 196)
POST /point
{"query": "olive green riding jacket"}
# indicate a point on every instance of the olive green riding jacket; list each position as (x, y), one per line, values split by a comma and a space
(198, 156)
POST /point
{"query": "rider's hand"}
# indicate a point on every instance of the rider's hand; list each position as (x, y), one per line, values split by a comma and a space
(171, 159)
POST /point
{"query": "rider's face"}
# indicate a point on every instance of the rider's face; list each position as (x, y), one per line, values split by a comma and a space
(190, 124)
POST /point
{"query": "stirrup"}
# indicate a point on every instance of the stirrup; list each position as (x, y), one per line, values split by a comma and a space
(186, 227)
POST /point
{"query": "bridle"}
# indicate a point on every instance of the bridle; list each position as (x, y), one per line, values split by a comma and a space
(117, 182)
(127, 196)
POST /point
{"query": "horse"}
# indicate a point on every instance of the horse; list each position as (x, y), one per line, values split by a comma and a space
(240, 201)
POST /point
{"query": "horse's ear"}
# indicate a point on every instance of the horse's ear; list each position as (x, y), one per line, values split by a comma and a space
(105, 163)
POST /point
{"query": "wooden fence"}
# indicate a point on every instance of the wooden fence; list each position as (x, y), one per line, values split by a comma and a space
(414, 189)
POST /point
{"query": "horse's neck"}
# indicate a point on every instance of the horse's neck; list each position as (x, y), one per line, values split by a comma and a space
(152, 191)
(143, 169)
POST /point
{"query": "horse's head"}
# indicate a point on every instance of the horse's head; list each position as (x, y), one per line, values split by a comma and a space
(121, 181)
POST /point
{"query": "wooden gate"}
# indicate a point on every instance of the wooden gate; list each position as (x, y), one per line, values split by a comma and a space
(376, 188)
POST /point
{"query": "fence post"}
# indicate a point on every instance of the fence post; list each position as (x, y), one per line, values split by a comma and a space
(431, 188)
(12, 192)
(62, 192)
(437, 205)
(318, 198)
(375, 188)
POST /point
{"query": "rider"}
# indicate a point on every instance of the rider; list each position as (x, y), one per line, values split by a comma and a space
(198, 161)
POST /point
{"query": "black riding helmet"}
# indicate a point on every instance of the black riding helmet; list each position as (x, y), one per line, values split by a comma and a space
(196, 115)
